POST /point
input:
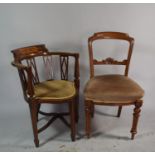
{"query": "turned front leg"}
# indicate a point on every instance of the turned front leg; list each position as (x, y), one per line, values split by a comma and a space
(136, 115)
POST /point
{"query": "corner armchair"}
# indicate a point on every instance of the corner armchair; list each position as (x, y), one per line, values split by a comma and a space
(44, 87)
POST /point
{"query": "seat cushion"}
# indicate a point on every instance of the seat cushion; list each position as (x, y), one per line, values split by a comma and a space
(55, 89)
(112, 89)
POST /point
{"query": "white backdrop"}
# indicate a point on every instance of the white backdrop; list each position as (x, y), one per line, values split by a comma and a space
(67, 27)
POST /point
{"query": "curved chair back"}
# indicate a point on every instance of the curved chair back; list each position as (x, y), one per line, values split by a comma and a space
(109, 60)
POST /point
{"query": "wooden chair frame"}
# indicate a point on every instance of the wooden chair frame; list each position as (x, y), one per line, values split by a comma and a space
(89, 104)
(29, 78)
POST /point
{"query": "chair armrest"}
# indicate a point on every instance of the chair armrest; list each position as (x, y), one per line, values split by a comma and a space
(29, 82)
(19, 65)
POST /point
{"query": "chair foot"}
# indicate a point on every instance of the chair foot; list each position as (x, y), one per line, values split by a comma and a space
(136, 115)
(73, 137)
(119, 111)
(36, 142)
(133, 136)
(87, 135)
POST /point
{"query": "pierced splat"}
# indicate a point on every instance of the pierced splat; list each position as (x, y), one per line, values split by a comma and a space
(31, 62)
(64, 67)
(109, 61)
(48, 67)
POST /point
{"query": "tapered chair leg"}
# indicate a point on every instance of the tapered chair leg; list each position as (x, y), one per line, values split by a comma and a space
(119, 111)
(34, 112)
(92, 110)
(77, 109)
(136, 115)
(72, 119)
(88, 117)
(38, 109)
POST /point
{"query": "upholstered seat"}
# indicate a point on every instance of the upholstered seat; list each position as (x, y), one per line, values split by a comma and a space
(113, 89)
(55, 89)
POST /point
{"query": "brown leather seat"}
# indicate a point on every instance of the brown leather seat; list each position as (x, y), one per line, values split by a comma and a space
(113, 89)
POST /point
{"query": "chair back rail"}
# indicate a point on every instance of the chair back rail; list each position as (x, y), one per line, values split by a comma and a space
(109, 60)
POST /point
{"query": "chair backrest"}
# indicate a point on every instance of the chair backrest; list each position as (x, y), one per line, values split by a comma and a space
(28, 52)
(35, 63)
(109, 60)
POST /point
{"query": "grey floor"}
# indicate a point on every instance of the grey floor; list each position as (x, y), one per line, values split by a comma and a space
(109, 133)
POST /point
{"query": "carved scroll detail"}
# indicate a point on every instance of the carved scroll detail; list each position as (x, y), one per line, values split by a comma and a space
(48, 67)
(110, 61)
(31, 62)
(64, 67)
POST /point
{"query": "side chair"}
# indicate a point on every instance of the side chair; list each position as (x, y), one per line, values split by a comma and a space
(111, 89)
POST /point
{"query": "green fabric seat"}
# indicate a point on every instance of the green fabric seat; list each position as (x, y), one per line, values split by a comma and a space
(55, 89)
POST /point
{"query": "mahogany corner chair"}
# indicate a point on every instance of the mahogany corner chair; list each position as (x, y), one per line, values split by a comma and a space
(50, 91)
(111, 89)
